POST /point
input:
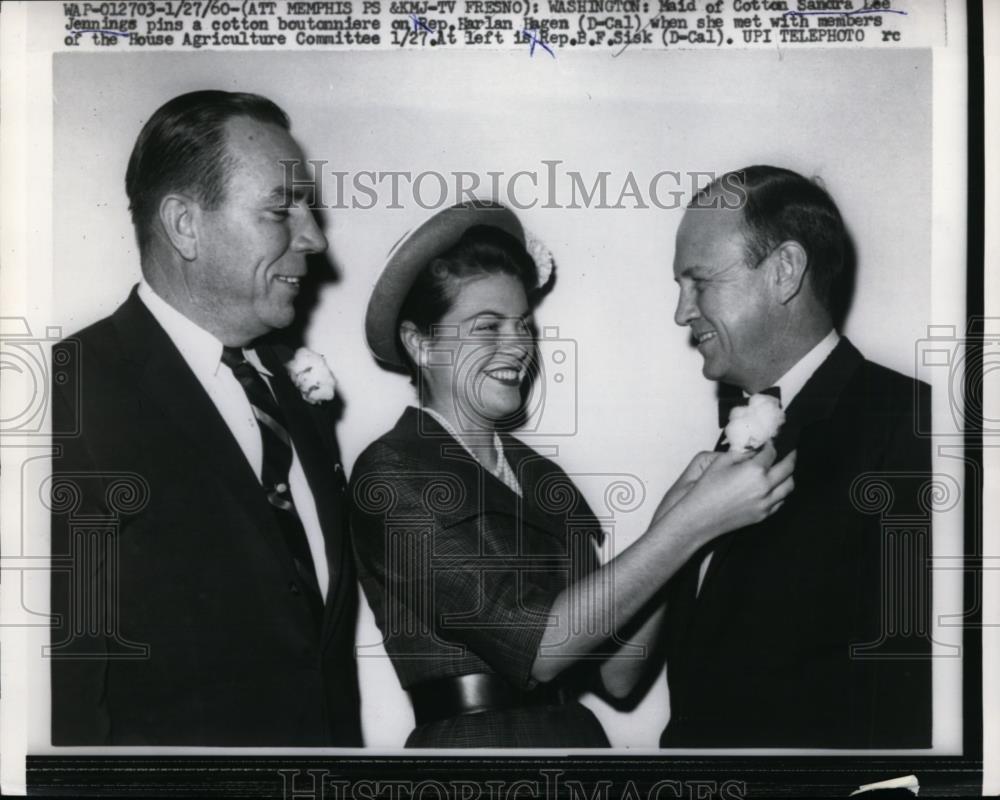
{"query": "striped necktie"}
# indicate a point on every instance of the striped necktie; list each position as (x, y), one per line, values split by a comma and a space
(277, 447)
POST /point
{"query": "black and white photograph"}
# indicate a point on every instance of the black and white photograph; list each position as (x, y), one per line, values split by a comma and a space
(489, 413)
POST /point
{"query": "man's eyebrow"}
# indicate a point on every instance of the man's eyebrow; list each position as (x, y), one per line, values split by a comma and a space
(298, 194)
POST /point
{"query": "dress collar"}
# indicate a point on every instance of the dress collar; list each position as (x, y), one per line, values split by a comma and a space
(503, 471)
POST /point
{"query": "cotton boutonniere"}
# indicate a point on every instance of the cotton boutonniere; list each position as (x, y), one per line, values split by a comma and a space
(752, 425)
(311, 376)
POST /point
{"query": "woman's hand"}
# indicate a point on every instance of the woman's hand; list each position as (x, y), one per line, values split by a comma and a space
(735, 490)
(716, 493)
(692, 472)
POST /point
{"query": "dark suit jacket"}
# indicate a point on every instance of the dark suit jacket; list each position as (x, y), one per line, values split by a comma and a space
(461, 573)
(200, 633)
(763, 655)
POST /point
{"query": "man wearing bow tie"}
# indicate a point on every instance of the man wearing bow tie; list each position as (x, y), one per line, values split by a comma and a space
(218, 607)
(788, 633)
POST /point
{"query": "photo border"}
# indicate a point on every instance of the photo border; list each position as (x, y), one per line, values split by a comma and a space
(745, 775)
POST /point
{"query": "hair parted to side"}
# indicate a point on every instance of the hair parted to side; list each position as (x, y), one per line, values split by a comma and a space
(482, 250)
(780, 205)
(182, 148)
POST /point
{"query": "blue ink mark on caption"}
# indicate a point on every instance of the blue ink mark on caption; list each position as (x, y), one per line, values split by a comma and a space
(536, 40)
(106, 33)
(845, 13)
(419, 24)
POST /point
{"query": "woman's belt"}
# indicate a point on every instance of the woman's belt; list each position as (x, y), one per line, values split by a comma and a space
(471, 694)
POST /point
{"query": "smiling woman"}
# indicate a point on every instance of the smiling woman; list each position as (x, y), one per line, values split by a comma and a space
(476, 297)
(478, 555)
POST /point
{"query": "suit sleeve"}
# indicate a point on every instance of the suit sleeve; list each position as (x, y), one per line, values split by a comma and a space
(425, 548)
(78, 647)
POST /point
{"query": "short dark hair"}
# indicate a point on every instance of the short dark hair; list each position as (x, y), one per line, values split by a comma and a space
(182, 147)
(482, 250)
(780, 205)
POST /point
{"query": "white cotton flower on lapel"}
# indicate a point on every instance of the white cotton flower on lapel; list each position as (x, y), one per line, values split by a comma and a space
(311, 376)
(752, 425)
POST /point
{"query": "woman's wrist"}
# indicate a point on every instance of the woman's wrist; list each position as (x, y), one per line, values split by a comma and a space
(687, 530)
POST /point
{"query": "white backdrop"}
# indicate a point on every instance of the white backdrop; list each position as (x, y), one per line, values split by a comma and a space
(861, 120)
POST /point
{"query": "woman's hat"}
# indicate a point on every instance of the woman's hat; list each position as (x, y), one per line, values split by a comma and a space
(414, 252)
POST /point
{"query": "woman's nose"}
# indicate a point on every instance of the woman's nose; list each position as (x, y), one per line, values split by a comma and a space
(517, 341)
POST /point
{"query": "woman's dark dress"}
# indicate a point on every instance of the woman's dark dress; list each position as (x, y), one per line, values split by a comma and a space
(461, 574)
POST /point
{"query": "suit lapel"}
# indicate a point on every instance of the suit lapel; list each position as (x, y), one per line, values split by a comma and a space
(814, 403)
(820, 396)
(164, 377)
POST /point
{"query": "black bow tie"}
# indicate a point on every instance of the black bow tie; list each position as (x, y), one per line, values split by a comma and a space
(731, 396)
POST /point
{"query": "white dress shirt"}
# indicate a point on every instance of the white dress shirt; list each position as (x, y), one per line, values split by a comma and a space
(203, 354)
(790, 384)
(502, 473)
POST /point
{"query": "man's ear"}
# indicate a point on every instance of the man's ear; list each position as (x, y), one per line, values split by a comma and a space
(790, 262)
(178, 217)
(412, 338)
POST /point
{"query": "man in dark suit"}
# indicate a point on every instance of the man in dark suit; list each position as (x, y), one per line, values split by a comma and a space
(809, 629)
(203, 590)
